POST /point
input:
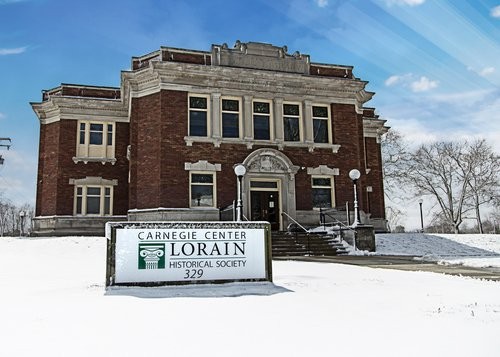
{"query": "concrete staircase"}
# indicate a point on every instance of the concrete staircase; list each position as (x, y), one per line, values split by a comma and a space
(305, 244)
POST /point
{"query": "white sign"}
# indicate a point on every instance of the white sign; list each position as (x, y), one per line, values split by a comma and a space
(163, 254)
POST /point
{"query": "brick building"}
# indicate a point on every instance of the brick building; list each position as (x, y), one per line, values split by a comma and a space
(163, 145)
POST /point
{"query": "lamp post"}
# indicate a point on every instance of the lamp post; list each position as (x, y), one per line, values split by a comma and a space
(240, 171)
(21, 215)
(420, 201)
(354, 175)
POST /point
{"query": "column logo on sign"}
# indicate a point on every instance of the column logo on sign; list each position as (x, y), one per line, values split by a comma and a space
(151, 256)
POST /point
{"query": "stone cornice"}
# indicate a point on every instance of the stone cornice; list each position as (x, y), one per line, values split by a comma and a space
(77, 108)
(374, 128)
(241, 81)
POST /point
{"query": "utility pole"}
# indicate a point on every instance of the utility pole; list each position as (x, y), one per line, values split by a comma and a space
(3, 144)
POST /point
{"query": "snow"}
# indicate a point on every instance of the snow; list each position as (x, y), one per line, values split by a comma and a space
(54, 303)
(475, 250)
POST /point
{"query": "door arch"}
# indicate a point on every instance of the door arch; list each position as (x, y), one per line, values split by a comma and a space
(273, 166)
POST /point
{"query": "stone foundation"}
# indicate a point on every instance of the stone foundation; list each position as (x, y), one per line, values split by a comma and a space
(71, 225)
(174, 215)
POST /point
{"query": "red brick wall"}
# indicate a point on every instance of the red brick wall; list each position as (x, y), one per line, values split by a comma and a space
(55, 195)
(46, 198)
(374, 179)
(329, 71)
(158, 177)
(145, 151)
(348, 129)
(196, 58)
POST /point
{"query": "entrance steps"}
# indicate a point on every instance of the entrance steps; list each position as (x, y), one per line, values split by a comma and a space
(305, 244)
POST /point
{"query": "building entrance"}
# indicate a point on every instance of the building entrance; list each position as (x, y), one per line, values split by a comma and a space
(265, 207)
(265, 202)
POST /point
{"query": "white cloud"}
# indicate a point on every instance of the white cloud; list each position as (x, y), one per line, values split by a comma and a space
(12, 51)
(2, 115)
(405, 2)
(409, 80)
(486, 71)
(392, 80)
(423, 84)
(495, 12)
(449, 116)
(322, 3)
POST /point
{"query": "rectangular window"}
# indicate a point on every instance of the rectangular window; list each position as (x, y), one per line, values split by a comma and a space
(107, 200)
(291, 122)
(109, 140)
(79, 200)
(93, 200)
(96, 134)
(82, 132)
(202, 190)
(321, 118)
(264, 184)
(322, 192)
(198, 116)
(95, 140)
(230, 118)
(261, 120)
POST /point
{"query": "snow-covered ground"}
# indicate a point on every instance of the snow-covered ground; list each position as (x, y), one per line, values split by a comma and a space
(476, 250)
(54, 303)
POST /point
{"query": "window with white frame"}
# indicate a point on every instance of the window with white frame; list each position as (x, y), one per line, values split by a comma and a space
(199, 122)
(230, 114)
(321, 123)
(93, 200)
(291, 122)
(202, 189)
(323, 195)
(261, 120)
(95, 140)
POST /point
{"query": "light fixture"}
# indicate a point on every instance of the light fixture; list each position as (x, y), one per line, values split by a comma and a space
(354, 175)
(240, 170)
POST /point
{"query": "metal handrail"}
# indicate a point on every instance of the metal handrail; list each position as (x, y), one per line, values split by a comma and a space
(342, 225)
(335, 220)
(300, 225)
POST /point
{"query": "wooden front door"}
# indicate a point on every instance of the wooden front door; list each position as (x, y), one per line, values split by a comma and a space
(265, 207)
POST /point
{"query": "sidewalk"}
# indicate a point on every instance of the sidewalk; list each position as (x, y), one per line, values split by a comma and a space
(407, 263)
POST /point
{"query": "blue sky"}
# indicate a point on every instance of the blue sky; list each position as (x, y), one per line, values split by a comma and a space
(434, 64)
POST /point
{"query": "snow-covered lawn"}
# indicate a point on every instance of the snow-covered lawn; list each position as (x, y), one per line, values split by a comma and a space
(54, 303)
(476, 250)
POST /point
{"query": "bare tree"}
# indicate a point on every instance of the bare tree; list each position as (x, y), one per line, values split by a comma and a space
(395, 159)
(460, 175)
(484, 178)
(4, 217)
(10, 217)
(439, 169)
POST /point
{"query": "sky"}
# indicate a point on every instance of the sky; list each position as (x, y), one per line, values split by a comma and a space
(434, 64)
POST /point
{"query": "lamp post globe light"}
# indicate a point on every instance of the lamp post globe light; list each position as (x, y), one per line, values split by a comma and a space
(420, 201)
(21, 215)
(354, 175)
(240, 171)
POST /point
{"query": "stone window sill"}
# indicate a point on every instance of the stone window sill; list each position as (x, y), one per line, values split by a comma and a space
(102, 160)
(249, 143)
